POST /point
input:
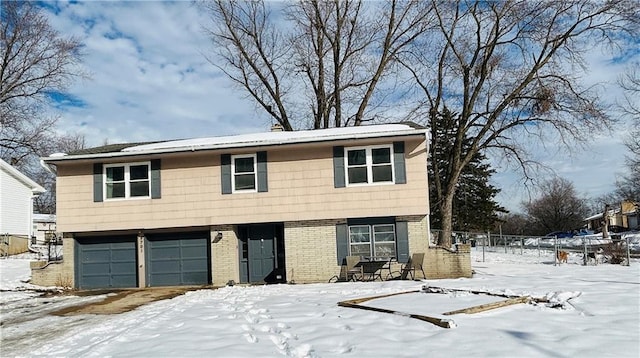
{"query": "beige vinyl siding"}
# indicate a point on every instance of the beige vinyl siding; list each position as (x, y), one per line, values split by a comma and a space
(301, 187)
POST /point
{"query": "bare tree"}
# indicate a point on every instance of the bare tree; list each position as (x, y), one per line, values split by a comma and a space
(323, 60)
(515, 224)
(630, 83)
(36, 62)
(510, 69)
(46, 203)
(628, 187)
(557, 209)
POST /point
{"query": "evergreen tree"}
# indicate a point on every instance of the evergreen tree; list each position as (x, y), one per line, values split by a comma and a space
(474, 207)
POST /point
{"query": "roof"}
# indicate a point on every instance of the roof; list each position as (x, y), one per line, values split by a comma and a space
(243, 141)
(25, 180)
(109, 148)
(597, 216)
(44, 218)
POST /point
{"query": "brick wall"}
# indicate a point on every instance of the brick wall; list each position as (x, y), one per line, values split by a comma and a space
(311, 250)
(224, 255)
(443, 263)
(60, 273)
(311, 247)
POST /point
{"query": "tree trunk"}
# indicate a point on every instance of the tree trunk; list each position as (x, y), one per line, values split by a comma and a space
(605, 222)
(446, 210)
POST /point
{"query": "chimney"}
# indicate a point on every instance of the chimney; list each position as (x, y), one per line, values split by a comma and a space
(277, 128)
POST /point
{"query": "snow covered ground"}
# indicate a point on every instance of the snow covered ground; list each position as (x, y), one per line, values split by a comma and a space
(601, 320)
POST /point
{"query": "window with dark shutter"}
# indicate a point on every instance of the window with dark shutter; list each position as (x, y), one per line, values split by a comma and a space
(120, 181)
(245, 173)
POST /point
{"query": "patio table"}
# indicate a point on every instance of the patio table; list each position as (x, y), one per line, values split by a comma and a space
(372, 267)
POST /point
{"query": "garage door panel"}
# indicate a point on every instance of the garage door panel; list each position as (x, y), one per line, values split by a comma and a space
(194, 252)
(192, 265)
(106, 262)
(96, 255)
(166, 253)
(95, 268)
(120, 268)
(178, 259)
(123, 255)
(166, 267)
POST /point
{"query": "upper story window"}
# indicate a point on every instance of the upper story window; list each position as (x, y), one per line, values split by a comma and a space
(243, 168)
(244, 173)
(123, 181)
(369, 165)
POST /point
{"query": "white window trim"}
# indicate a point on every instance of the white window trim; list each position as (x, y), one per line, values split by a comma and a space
(255, 173)
(369, 165)
(372, 238)
(127, 181)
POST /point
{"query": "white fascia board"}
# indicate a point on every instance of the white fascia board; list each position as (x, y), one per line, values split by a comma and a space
(36, 188)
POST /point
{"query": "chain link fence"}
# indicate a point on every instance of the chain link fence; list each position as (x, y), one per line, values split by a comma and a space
(618, 249)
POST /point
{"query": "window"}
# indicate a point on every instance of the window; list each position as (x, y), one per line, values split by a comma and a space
(123, 181)
(246, 173)
(243, 168)
(368, 165)
(372, 240)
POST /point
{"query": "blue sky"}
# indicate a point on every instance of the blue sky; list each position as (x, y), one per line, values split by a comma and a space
(149, 80)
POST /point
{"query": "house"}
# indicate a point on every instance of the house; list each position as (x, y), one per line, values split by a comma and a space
(630, 215)
(267, 207)
(17, 192)
(624, 216)
(44, 228)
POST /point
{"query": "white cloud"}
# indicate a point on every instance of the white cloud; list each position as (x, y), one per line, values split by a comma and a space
(149, 78)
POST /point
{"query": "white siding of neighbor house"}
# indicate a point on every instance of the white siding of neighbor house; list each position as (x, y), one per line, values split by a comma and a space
(15, 206)
(16, 201)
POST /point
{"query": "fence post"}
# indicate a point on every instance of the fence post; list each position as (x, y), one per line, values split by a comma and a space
(555, 249)
(584, 252)
(484, 243)
(628, 251)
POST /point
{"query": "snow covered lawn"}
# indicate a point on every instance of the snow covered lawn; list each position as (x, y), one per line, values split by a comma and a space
(305, 321)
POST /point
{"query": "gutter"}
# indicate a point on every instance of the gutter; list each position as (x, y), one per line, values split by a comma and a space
(48, 167)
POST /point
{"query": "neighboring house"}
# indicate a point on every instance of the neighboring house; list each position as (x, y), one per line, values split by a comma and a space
(44, 226)
(17, 192)
(625, 216)
(630, 212)
(268, 207)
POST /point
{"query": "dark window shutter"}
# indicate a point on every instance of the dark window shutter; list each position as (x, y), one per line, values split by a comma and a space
(398, 162)
(342, 242)
(155, 179)
(338, 167)
(262, 171)
(402, 241)
(97, 182)
(225, 167)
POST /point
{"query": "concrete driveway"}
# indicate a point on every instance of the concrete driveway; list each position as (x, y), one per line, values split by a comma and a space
(125, 300)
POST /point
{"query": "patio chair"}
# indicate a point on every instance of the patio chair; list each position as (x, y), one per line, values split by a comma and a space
(349, 271)
(414, 264)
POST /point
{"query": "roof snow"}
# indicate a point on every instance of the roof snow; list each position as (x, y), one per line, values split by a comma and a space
(245, 140)
(280, 137)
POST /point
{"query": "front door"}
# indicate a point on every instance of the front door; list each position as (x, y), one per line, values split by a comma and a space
(262, 252)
